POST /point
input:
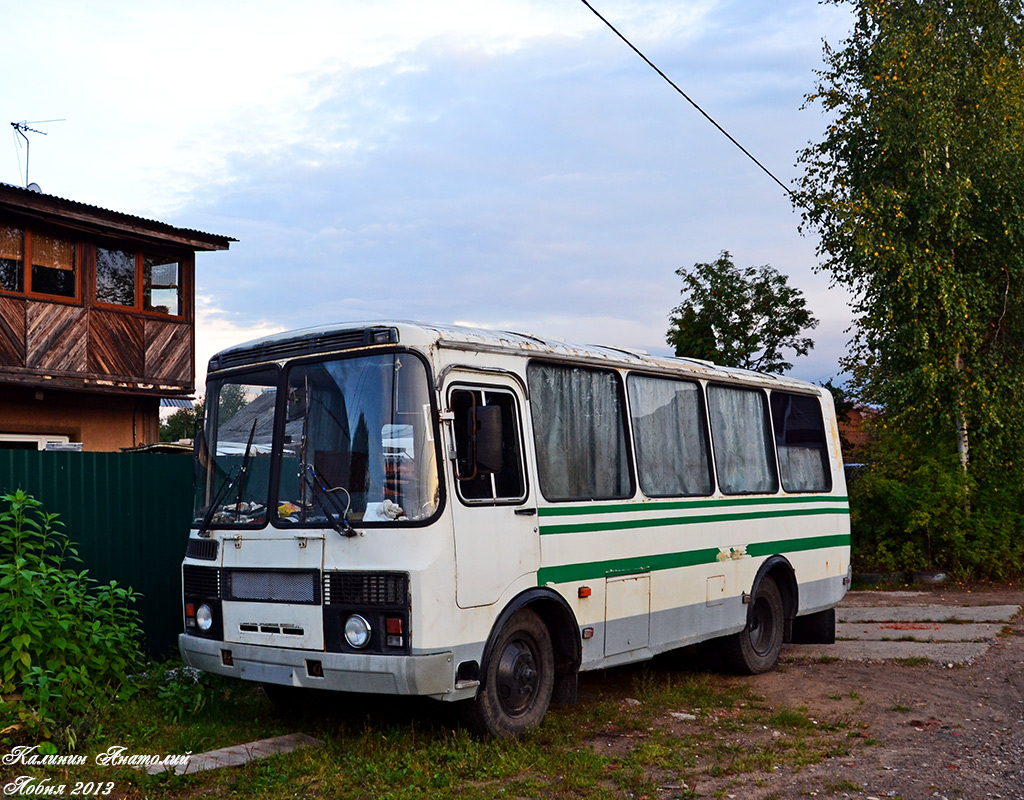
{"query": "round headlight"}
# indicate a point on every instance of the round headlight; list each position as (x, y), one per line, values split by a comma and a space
(357, 631)
(204, 617)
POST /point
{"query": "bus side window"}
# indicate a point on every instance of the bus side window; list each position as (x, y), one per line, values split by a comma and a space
(476, 483)
(671, 435)
(741, 434)
(579, 430)
(800, 441)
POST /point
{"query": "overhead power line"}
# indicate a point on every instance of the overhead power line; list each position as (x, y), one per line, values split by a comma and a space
(688, 99)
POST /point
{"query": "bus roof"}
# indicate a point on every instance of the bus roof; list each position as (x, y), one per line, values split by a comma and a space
(345, 335)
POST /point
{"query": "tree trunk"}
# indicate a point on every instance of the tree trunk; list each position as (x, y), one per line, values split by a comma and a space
(963, 445)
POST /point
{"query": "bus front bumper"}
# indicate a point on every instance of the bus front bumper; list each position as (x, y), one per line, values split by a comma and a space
(429, 675)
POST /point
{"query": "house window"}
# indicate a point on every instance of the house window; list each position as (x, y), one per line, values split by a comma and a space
(161, 285)
(115, 276)
(12, 259)
(53, 260)
(53, 266)
(30, 441)
(120, 272)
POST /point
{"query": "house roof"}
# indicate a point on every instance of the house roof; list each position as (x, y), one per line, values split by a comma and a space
(104, 222)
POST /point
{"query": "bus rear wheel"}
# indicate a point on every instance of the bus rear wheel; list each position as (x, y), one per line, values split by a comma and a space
(518, 680)
(756, 648)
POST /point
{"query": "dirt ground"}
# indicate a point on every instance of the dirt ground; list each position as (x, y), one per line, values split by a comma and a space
(941, 732)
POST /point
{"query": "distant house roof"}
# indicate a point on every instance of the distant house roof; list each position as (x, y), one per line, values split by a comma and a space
(102, 221)
(176, 402)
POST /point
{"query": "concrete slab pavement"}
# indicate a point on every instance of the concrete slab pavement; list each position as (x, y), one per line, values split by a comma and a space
(943, 634)
(238, 754)
(917, 631)
(926, 613)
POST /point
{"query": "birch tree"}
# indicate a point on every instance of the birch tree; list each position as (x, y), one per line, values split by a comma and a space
(917, 193)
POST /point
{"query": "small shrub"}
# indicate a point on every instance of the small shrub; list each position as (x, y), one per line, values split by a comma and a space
(67, 643)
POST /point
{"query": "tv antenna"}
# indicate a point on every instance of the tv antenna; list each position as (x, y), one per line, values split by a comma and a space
(22, 129)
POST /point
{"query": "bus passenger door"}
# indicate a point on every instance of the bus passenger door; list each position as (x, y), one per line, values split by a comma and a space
(496, 539)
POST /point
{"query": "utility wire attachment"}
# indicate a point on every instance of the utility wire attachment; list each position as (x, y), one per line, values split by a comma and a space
(689, 100)
(22, 129)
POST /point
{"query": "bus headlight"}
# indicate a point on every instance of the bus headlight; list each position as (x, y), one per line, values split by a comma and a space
(204, 617)
(357, 631)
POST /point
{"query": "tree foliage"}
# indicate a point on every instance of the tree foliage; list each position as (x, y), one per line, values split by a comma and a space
(739, 317)
(917, 192)
(181, 424)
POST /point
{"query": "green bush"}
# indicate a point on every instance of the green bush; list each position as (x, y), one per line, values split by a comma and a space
(907, 517)
(67, 643)
(912, 509)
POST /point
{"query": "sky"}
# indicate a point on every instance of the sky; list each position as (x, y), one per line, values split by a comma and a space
(509, 164)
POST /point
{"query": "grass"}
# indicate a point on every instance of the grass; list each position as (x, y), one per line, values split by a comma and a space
(410, 749)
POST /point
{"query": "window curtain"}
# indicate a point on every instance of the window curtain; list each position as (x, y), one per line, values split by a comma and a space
(800, 440)
(739, 430)
(671, 437)
(579, 431)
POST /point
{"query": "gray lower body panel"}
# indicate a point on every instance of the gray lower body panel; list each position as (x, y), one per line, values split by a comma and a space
(430, 675)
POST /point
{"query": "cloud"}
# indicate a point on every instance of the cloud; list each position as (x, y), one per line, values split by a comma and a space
(217, 329)
(512, 162)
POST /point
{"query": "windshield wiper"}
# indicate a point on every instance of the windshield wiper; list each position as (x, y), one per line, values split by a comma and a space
(245, 469)
(218, 498)
(323, 496)
(236, 474)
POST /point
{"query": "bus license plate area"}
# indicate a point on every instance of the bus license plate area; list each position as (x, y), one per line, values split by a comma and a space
(274, 624)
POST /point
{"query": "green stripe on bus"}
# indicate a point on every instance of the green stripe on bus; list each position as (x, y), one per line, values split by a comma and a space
(568, 573)
(676, 505)
(662, 522)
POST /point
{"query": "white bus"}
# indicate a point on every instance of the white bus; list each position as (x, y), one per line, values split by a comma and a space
(478, 516)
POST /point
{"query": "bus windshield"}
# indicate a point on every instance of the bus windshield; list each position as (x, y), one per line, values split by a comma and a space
(356, 446)
(235, 454)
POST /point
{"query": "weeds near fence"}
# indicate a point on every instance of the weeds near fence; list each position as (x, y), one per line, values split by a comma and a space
(67, 642)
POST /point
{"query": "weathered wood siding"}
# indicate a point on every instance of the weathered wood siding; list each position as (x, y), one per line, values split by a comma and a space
(12, 332)
(67, 345)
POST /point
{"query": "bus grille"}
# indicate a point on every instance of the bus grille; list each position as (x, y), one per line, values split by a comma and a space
(366, 589)
(201, 581)
(205, 549)
(271, 586)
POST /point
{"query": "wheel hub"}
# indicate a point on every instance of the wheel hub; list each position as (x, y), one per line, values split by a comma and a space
(517, 677)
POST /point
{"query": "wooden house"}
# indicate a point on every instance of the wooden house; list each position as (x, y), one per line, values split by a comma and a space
(97, 321)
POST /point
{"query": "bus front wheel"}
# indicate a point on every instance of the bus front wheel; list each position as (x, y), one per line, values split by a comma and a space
(756, 648)
(518, 680)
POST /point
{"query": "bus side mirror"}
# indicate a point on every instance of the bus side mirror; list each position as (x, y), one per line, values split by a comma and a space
(487, 440)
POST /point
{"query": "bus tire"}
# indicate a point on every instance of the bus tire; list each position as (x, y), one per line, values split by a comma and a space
(756, 648)
(517, 682)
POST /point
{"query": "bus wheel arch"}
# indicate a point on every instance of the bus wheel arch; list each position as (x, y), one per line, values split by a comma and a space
(533, 653)
(782, 572)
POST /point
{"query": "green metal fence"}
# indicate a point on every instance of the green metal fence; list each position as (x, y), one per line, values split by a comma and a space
(129, 514)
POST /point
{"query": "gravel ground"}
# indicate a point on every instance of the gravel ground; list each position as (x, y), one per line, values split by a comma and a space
(941, 731)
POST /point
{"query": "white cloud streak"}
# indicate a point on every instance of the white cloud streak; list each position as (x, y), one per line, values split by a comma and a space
(509, 162)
